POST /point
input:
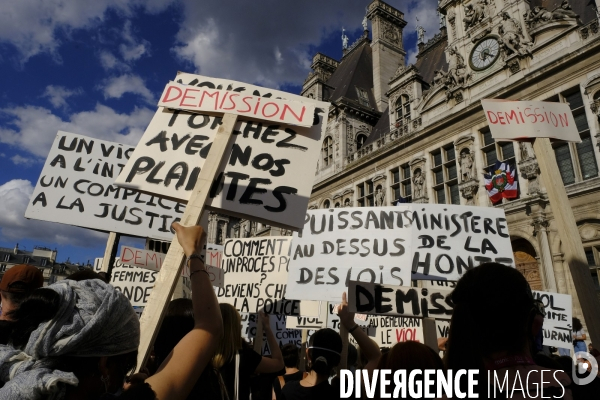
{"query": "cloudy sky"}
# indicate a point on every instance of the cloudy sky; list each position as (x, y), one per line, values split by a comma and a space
(96, 68)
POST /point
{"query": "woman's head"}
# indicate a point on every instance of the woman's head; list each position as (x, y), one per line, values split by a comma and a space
(324, 351)
(410, 355)
(493, 312)
(178, 322)
(577, 326)
(291, 354)
(231, 341)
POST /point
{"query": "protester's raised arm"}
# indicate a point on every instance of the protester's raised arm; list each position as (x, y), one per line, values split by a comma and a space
(177, 375)
(275, 363)
(368, 347)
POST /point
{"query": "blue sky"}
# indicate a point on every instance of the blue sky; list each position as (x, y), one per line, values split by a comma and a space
(97, 68)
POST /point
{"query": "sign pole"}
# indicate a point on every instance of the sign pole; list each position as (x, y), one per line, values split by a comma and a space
(303, 350)
(166, 279)
(429, 335)
(569, 236)
(110, 253)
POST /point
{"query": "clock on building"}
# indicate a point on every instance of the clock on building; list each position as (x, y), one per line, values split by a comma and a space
(485, 53)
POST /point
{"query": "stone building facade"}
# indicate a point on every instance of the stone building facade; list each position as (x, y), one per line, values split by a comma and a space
(418, 132)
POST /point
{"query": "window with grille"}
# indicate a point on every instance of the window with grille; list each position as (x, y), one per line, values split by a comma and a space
(401, 184)
(402, 110)
(365, 194)
(445, 176)
(327, 151)
(363, 97)
(576, 161)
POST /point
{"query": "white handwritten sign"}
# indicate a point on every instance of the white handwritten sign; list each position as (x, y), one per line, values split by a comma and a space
(559, 319)
(256, 272)
(135, 283)
(189, 98)
(530, 119)
(393, 245)
(374, 298)
(76, 187)
(282, 333)
(265, 177)
(309, 322)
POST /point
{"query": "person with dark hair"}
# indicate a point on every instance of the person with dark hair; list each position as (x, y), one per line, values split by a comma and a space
(579, 336)
(78, 340)
(322, 355)
(291, 356)
(16, 285)
(86, 274)
(496, 302)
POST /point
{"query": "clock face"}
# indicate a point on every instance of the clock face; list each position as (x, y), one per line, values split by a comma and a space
(484, 53)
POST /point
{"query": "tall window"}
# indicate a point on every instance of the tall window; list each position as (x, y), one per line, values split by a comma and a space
(326, 204)
(496, 151)
(593, 259)
(586, 165)
(327, 151)
(402, 110)
(360, 140)
(445, 176)
(365, 194)
(363, 97)
(401, 183)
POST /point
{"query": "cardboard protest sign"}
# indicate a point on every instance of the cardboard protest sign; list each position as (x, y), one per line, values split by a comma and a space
(374, 298)
(189, 98)
(256, 272)
(135, 283)
(254, 182)
(309, 322)
(559, 319)
(76, 187)
(442, 328)
(283, 334)
(512, 120)
(393, 245)
(152, 260)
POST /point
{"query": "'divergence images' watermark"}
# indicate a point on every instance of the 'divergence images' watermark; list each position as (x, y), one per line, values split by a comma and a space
(432, 383)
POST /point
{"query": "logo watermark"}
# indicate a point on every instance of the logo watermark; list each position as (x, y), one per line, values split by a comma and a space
(584, 362)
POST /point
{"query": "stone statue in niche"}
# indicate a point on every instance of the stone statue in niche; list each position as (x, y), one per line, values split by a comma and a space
(379, 197)
(526, 151)
(475, 12)
(457, 69)
(418, 184)
(564, 11)
(466, 165)
(512, 39)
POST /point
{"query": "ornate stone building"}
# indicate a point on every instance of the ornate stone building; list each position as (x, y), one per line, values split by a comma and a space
(418, 131)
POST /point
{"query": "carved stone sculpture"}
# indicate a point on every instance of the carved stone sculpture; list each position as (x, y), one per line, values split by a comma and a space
(526, 151)
(466, 165)
(457, 69)
(474, 13)
(564, 11)
(512, 39)
(379, 198)
(344, 39)
(537, 16)
(418, 184)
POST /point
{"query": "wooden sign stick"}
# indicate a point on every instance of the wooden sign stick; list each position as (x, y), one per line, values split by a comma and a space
(303, 350)
(569, 236)
(110, 253)
(429, 334)
(166, 279)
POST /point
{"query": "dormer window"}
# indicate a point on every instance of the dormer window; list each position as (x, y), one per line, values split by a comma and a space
(363, 97)
(402, 110)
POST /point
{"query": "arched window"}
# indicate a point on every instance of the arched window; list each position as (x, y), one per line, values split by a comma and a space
(326, 204)
(360, 140)
(327, 151)
(337, 205)
(402, 110)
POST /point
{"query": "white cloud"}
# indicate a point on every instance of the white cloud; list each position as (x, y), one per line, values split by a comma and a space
(30, 25)
(58, 95)
(116, 87)
(14, 198)
(109, 61)
(132, 49)
(24, 161)
(262, 42)
(33, 129)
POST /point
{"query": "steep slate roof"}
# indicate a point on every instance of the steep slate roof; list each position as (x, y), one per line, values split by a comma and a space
(432, 58)
(355, 70)
(381, 128)
(584, 8)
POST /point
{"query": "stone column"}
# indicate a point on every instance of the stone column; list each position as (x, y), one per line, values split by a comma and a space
(540, 225)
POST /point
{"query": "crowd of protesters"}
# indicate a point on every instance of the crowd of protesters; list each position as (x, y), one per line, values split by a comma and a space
(78, 339)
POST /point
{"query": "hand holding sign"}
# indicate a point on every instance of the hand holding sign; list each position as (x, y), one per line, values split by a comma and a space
(343, 311)
(191, 238)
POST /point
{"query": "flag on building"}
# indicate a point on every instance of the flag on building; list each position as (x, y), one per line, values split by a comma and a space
(501, 182)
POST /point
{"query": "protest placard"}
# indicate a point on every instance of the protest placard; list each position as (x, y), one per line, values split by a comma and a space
(135, 283)
(374, 298)
(512, 120)
(558, 323)
(282, 333)
(205, 99)
(152, 260)
(309, 322)
(254, 183)
(393, 245)
(442, 328)
(76, 187)
(256, 272)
